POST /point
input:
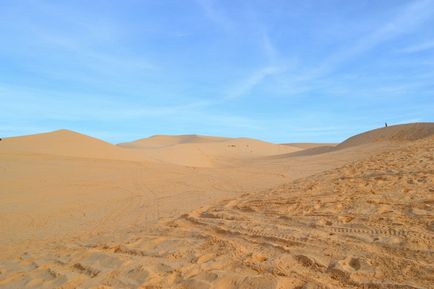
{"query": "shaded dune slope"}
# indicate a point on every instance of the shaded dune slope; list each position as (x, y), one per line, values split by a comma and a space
(396, 133)
(309, 145)
(391, 134)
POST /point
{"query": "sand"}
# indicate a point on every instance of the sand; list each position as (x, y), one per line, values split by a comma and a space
(105, 216)
(159, 141)
(66, 143)
(205, 151)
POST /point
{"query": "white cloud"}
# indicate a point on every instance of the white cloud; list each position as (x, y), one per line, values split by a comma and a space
(276, 65)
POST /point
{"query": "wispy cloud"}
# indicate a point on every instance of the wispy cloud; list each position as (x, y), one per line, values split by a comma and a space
(301, 79)
(429, 45)
(244, 86)
(269, 48)
(26, 111)
(44, 104)
(276, 65)
(21, 103)
(81, 47)
(405, 21)
(402, 23)
(215, 15)
(92, 57)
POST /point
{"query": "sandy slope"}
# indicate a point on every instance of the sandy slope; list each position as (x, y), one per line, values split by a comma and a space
(88, 222)
(368, 224)
(386, 136)
(66, 143)
(310, 145)
(205, 151)
(395, 133)
(170, 140)
(46, 195)
(62, 183)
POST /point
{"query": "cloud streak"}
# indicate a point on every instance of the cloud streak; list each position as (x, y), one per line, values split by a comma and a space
(215, 15)
(305, 79)
(429, 45)
(246, 85)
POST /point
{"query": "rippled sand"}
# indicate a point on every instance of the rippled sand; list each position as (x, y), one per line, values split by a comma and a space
(356, 218)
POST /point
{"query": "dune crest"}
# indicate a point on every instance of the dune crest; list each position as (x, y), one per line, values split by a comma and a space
(66, 143)
(394, 133)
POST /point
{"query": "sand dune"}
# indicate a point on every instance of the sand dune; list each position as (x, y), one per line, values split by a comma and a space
(170, 140)
(77, 196)
(66, 143)
(205, 151)
(77, 181)
(395, 133)
(184, 150)
(356, 217)
(386, 136)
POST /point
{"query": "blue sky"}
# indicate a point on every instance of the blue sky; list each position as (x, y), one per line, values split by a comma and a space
(282, 71)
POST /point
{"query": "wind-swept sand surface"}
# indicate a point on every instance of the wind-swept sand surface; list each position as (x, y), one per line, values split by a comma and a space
(357, 216)
(66, 143)
(205, 151)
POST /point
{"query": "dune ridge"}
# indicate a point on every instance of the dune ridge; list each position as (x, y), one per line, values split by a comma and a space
(205, 151)
(183, 150)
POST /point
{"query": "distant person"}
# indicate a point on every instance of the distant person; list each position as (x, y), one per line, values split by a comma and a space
(385, 124)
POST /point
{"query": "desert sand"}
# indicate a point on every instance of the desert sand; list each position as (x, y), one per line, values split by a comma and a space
(205, 151)
(210, 212)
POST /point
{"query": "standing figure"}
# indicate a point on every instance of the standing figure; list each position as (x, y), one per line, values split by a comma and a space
(385, 124)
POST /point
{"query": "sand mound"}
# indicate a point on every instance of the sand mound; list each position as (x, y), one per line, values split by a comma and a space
(185, 150)
(372, 140)
(157, 141)
(199, 151)
(396, 133)
(66, 143)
